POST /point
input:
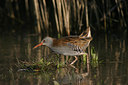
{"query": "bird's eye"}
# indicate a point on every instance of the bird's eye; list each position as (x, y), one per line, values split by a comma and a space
(43, 40)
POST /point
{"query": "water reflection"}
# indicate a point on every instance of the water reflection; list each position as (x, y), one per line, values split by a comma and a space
(110, 68)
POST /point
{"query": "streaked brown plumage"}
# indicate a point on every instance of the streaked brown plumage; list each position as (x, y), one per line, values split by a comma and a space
(70, 45)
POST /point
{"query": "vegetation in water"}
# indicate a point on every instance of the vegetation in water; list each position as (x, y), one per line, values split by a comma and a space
(64, 17)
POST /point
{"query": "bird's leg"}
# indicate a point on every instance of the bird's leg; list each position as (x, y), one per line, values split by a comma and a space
(88, 61)
(76, 69)
(74, 60)
(67, 59)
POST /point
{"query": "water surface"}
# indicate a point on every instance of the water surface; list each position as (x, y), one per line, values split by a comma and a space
(109, 67)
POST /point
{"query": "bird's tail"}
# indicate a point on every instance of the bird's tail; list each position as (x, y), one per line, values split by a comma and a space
(86, 34)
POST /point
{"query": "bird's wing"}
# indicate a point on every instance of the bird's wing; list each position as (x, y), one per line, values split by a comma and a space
(79, 43)
(86, 33)
(75, 43)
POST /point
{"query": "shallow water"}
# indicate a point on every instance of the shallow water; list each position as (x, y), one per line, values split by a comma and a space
(108, 62)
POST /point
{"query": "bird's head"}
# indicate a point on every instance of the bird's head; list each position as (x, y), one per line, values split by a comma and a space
(46, 41)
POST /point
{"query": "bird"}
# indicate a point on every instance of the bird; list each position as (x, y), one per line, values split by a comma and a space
(69, 45)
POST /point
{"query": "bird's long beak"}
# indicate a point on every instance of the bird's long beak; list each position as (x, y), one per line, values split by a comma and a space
(38, 45)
